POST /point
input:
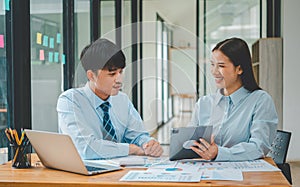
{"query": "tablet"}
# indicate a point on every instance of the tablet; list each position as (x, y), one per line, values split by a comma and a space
(182, 138)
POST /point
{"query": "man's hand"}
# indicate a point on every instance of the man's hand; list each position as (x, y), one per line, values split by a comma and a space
(205, 150)
(152, 148)
(135, 150)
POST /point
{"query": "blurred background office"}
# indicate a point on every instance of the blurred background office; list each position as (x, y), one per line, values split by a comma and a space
(167, 44)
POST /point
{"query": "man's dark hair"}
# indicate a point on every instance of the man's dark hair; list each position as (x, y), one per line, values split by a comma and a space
(102, 54)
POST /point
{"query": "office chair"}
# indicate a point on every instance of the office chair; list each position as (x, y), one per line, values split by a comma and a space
(279, 151)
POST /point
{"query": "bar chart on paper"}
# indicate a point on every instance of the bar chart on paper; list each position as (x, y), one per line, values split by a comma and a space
(161, 176)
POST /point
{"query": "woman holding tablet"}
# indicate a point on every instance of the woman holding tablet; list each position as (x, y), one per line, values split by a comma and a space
(243, 116)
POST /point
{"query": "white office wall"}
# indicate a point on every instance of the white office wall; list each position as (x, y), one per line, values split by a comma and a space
(149, 66)
(183, 37)
(83, 39)
(183, 73)
(291, 89)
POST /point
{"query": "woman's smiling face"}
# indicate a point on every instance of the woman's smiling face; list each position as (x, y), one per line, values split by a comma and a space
(226, 75)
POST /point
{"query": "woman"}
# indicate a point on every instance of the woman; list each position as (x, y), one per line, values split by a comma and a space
(243, 116)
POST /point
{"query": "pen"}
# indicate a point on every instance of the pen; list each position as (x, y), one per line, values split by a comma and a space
(15, 133)
(11, 134)
(15, 157)
(22, 137)
(8, 135)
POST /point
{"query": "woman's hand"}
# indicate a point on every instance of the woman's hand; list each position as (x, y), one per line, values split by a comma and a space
(205, 150)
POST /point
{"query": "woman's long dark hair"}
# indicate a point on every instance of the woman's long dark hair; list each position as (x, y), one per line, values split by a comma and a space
(238, 52)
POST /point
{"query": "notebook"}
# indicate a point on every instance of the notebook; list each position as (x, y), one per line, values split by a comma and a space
(57, 151)
(182, 139)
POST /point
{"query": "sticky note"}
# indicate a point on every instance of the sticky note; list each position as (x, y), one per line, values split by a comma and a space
(50, 57)
(45, 40)
(6, 4)
(51, 43)
(63, 58)
(39, 38)
(56, 55)
(1, 41)
(58, 38)
(42, 54)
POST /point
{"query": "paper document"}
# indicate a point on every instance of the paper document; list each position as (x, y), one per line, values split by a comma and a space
(140, 161)
(222, 174)
(176, 166)
(161, 176)
(245, 166)
(255, 165)
(212, 171)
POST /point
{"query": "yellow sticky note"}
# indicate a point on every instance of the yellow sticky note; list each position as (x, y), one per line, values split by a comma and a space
(39, 38)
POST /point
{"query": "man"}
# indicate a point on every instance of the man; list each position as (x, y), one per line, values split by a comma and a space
(101, 120)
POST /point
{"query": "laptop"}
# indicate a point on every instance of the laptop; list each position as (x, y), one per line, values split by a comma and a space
(57, 151)
(183, 138)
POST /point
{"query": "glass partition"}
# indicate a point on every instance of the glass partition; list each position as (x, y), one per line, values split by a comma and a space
(225, 19)
(82, 38)
(108, 20)
(47, 60)
(3, 85)
(127, 47)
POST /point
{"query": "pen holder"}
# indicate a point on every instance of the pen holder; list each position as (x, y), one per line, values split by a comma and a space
(20, 148)
(21, 156)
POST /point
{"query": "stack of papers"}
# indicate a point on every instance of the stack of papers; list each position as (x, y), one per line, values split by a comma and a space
(162, 170)
(140, 161)
(161, 176)
(222, 174)
(207, 173)
(245, 166)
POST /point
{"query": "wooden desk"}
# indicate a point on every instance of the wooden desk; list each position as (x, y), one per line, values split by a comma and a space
(39, 176)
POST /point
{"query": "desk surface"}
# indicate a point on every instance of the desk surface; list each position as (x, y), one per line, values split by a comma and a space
(40, 176)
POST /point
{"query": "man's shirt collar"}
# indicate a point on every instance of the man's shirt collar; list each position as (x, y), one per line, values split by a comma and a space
(94, 99)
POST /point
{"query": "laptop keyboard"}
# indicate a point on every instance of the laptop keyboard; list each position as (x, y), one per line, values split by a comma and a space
(91, 168)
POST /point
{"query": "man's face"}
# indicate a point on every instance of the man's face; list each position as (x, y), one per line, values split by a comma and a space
(106, 83)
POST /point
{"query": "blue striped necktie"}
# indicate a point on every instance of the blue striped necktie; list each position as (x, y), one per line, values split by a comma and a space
(110, 133)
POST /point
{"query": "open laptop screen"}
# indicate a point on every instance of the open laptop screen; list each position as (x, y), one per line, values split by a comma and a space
(58, 151)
